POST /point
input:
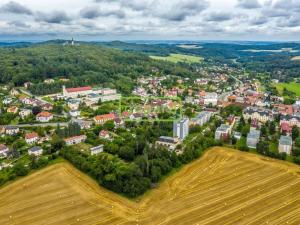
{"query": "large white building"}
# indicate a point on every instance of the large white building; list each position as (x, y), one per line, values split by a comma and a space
(253, 138)
(75, 92)
(181, 128)
(223, 132)
(92, 96)
(201, 118)
(211, 98)
(97, 150)
(285, 144)
(169, 142)
(75, 140)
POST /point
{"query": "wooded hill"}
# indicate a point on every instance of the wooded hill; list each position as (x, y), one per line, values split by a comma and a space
(86, 64)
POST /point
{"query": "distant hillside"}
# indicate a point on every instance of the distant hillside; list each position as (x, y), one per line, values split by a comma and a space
(15, 44)
(84, 64)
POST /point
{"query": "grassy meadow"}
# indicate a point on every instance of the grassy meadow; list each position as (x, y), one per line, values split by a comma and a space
(292, 86)
(176, 58)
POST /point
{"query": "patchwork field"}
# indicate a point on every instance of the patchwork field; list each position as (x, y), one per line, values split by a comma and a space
(175, 58)
(223, 187)
(292, 86)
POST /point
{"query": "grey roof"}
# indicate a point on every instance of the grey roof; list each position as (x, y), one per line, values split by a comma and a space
(167, 139)
(12, 128)
(285, 140)
(97, 147)
(223, 127)
(35, 149)
(289, 117)
(253, 134)
(260, 111)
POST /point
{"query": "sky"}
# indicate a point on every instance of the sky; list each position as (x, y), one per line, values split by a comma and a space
(102, 20)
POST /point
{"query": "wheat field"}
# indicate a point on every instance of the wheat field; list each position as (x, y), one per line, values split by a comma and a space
(223, 187)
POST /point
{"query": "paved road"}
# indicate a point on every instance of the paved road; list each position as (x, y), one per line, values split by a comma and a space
(63, 124)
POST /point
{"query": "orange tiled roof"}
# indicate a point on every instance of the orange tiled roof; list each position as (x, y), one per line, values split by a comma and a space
(79, 89)
(44, 114)
(31, 135)
(110, 116)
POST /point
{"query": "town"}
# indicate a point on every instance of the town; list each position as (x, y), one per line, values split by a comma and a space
(233, 111)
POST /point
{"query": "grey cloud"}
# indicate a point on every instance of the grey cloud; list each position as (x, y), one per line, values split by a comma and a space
(293, 21)
(273, 12)
(249, 4)
(19, 24)
(181, 9)
(290, 5)
(53, 17)
(136, 5)
(219, 16)
(175, 10)
(15, 8)
(259, 20)
(92, 13)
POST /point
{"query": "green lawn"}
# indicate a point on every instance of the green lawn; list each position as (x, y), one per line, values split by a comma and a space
(292, 86)
(175, 58)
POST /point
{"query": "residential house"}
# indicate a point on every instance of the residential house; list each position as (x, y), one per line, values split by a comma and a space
(260, 114)
(101, 119)
(36, 151)
(3, 151)
(75, 140)
(118, 122)
(25, 113)
(285, 144)
(74, 104)
(104, 134)
(13, 109)
(253, 138)
(284, 109)
(44, 117)
(84, 124)
(74, 113)
(49, 81)
(12, 130)
(7, 101)
(96, 150)
(223, 132)
(27, 84)
(285, 128)
(290, 120)
(47, 107)
(14, 92)
(31, 138)
(136, 116)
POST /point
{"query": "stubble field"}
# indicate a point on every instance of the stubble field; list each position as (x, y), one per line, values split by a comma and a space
(223, 187)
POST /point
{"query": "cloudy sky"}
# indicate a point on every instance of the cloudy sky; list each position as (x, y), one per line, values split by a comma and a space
(150, 19)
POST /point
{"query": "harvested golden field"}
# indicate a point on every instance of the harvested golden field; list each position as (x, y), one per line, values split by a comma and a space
(223, 187)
